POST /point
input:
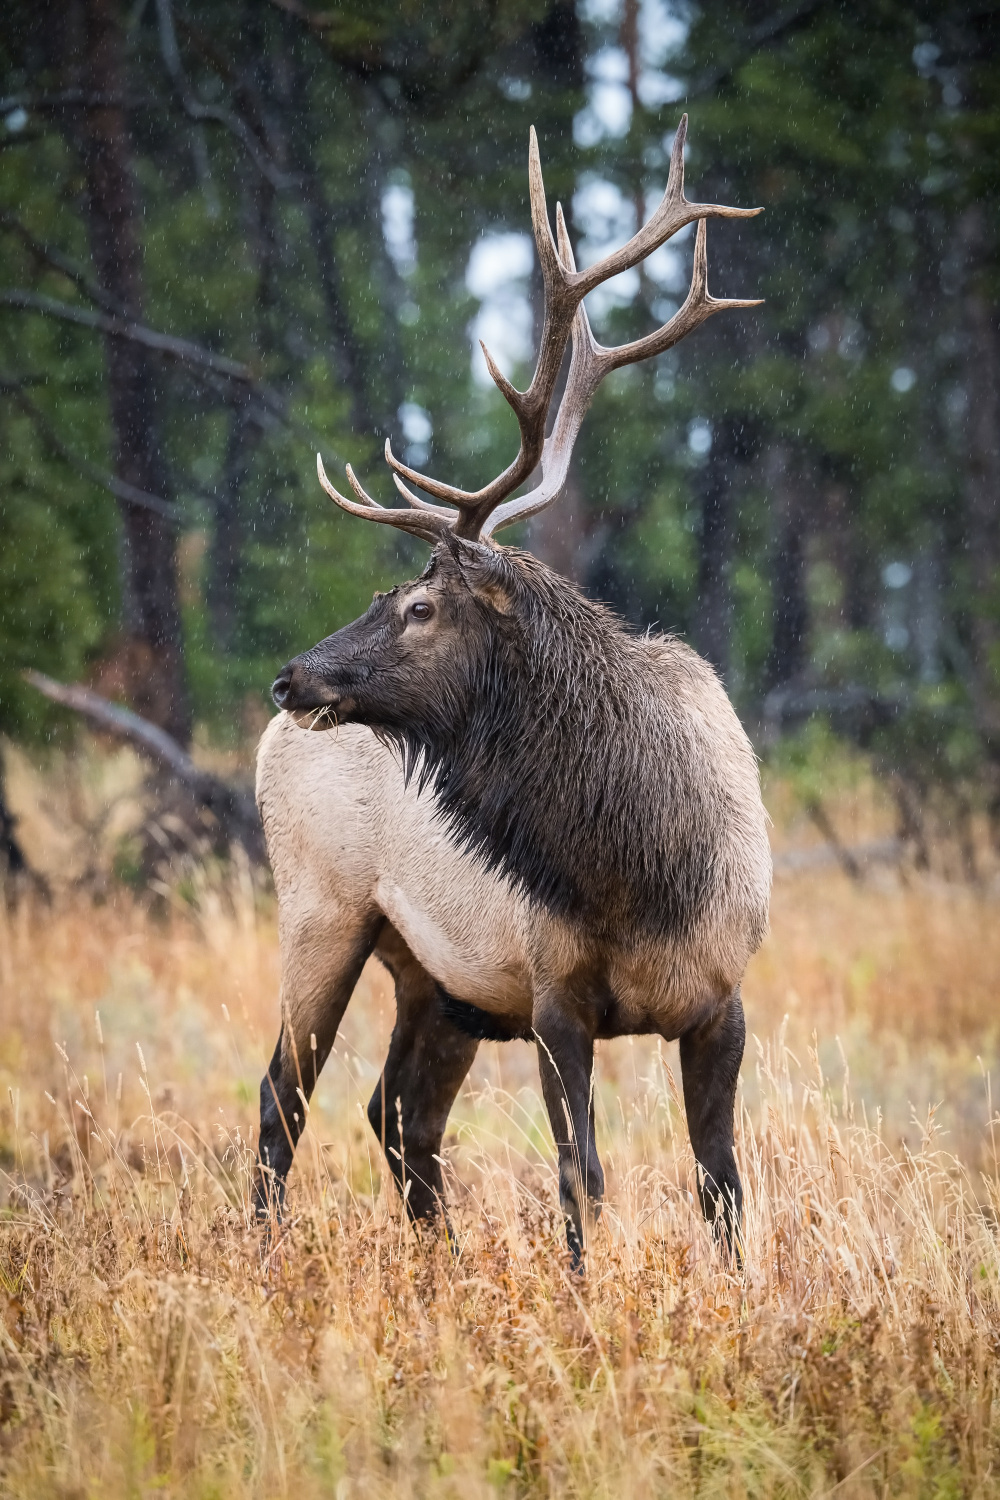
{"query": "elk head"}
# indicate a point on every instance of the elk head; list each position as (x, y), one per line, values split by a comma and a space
(385, 667)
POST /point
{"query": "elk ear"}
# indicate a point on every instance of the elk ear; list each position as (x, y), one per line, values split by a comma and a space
(486, 573)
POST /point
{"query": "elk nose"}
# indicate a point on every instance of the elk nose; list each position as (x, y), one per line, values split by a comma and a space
(281, 687)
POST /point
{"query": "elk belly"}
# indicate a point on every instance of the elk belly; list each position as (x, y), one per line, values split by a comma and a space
(464, 936)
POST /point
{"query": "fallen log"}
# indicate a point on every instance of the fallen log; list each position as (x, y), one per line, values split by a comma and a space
(233, 807)
(879, 851)
(12, 860)
(236, 813)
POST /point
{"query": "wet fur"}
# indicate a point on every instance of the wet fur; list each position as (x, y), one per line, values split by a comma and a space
(577, 759)
(573, 847)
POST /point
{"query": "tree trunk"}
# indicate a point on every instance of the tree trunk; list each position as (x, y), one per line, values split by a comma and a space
(789, 606)
(982, 476)
(12, 861)
(713, 614)
(348, 354)
(229, 531)
(559, 535)
(155, 670)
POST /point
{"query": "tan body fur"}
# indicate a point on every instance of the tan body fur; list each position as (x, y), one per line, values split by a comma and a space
(588, 856)
(352, 845)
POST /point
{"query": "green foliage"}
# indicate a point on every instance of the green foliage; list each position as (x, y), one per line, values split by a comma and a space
(49, 615)
(869, 134)
(817, 764)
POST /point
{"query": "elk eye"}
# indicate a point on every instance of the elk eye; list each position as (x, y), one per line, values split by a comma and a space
(421, 610)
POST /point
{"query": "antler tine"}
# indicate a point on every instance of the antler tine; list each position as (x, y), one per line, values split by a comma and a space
(590, 363)
(531, 407)
(429, 528)
(697, 307)
(414, 501)
(584, 376)
(481, 512)
(417, 504)
(673, 212)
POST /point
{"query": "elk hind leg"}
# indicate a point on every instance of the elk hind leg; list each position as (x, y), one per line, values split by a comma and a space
(566, 1066)
(428, 1061)
(710, 1066)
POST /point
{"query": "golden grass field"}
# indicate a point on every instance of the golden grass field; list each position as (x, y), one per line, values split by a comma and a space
(150, 1346)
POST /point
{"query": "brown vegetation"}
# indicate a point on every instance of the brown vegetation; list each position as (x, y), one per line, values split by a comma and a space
(149, 1346)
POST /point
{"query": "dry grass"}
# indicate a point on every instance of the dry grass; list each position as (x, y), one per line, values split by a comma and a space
(148, 1348)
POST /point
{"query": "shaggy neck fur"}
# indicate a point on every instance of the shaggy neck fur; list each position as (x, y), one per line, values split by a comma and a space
(563, 758)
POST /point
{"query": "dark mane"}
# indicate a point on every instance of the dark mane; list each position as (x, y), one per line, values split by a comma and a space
(559, 758)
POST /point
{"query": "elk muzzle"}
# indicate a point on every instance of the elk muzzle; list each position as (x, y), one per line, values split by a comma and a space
(300, 692)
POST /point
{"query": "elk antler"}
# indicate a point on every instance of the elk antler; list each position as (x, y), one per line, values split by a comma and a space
(479, 513)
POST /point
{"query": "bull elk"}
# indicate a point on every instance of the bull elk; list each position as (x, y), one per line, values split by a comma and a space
(544, 825)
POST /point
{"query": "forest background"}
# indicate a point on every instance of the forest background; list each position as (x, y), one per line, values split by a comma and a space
(231, 234)
(234, 233)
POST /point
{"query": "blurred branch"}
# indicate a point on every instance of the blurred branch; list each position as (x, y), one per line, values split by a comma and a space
(184, 351)
(845, 856)
(84, 99)
(879, 851)
(423, 76)
(768, 30)
(22, 138)
(196, 110)
(123, 724)
(233, 807)
(316, 22)
(46, 255)
(71, 99)
(14, 387)
(11, 383)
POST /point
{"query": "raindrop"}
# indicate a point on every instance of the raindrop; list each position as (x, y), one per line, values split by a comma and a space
(925, 55)
(397, 226)
(896, 575)
(417, 430)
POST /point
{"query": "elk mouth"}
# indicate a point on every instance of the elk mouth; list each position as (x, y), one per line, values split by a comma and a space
(312, 703)
(318, 719)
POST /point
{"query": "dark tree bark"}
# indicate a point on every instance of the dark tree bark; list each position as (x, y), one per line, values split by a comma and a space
(152, 615)
(790, 608)
(233, 807)
(982, 474)
(230, 530)
(347, 352)
(12, 861)
(559, 535)
(713, 615)
(559, 46)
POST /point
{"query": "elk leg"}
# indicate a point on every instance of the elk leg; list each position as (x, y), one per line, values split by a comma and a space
(710, 1067)
(427, 1064)
(566, 1065)
(322, 959)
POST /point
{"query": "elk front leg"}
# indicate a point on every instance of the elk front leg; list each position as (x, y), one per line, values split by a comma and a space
(566, 1064)
(710, 1066)
(427, 1064)
(323, 952)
